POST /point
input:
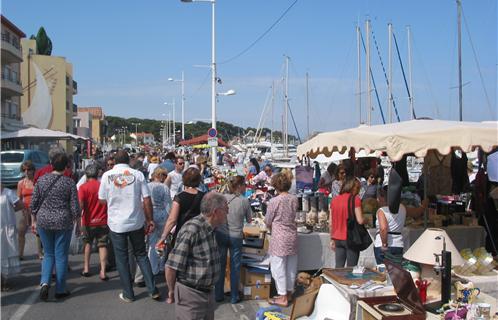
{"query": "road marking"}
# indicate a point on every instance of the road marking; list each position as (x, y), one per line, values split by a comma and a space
(25, 306)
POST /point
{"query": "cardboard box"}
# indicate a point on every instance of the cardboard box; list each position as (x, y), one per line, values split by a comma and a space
(251, 231)
(253, 278)
(259, 252)
(257, 292)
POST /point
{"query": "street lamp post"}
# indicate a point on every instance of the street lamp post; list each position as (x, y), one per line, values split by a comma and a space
(182, 80)
(173, 126)
(213, 71)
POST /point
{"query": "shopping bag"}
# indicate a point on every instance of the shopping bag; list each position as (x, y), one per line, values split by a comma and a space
(76, 245)
(358, 237)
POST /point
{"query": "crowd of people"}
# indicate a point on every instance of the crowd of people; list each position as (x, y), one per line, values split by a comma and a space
(150, 215)
(130, 207)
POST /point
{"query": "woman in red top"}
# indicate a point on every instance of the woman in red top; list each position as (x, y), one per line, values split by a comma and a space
(24, 192)
(339, 220)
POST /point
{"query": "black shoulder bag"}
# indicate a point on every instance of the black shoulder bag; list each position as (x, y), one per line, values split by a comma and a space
(357, 236)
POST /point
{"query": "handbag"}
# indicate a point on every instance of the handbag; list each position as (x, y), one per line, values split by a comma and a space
(357, 236)
(76, 245)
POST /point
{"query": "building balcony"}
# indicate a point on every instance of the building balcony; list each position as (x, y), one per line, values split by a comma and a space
(11, 53)
(10, 87)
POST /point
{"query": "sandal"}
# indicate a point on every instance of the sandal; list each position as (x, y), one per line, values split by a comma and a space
(275, 302)
(85, 274)
(106, 278)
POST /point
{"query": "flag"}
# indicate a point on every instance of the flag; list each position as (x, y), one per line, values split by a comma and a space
(133, 136)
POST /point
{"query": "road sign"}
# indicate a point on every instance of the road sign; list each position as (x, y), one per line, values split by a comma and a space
(213, 142)
(212, 132)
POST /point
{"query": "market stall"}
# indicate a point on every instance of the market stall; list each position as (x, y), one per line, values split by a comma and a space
(398, 139)
(418, 137)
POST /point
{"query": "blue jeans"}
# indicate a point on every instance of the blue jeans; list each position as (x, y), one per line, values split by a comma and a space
(225, 243)
(137, 241)
(379, 254)
(56, 247)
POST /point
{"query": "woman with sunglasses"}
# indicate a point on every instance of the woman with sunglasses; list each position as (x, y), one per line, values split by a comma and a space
(369, 186)
(25, 192)
(340, 176)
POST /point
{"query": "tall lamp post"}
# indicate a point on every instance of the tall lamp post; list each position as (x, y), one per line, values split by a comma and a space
(173, 126)
(213, 71)
(182, 80)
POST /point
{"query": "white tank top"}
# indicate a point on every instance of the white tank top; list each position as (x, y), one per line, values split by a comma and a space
(395, 223)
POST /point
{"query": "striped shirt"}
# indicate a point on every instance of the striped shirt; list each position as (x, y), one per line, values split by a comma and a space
(195, 256)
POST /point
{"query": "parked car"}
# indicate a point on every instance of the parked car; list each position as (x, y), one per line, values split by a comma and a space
(11, 160)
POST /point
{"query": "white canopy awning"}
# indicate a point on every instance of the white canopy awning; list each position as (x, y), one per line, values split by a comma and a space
(35, 133)
(397, 139)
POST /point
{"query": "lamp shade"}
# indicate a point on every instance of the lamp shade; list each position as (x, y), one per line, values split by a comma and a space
(429, 243)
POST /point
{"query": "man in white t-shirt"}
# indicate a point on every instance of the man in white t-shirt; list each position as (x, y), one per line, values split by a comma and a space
(123, 189)
(174, 180)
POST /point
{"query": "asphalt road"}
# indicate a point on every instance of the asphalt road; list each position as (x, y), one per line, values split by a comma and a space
(92, 298)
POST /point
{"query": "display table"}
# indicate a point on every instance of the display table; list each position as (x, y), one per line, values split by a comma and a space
(462, 236)
(314, 252)
(314, 248)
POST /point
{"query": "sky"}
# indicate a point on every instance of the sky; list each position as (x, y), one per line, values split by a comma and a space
(123, 53)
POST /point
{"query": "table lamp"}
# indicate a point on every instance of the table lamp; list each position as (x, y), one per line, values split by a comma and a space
(436, 253)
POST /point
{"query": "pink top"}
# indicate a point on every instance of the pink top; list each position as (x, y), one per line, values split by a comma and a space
(280, 218)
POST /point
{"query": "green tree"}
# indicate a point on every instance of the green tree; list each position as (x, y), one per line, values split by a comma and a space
(43, 43)
(226, 131)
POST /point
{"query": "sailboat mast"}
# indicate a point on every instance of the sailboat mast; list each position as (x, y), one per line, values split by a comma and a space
(286, 107)
(460, 89)
(409, 36)
(272, 109)
(390, 82)
(307, 104)
(358, 84)
(369, 91)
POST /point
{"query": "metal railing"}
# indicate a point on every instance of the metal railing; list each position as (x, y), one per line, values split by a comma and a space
(7, 38)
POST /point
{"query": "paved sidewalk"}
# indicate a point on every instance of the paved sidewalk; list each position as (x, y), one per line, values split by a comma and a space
(94, 299)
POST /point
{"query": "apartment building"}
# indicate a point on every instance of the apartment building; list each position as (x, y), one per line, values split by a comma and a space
(11, 84)
(99, 124)
(48, 90)
(82, 123)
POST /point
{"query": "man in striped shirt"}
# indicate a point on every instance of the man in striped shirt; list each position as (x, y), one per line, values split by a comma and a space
(194, 262)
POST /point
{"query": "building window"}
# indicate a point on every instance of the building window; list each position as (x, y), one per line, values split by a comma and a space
(13, 110)
(15, 77)
(6, 36)
(67, 105)
(15, 42)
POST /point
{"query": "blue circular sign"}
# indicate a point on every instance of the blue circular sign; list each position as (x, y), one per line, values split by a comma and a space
(212, 133)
